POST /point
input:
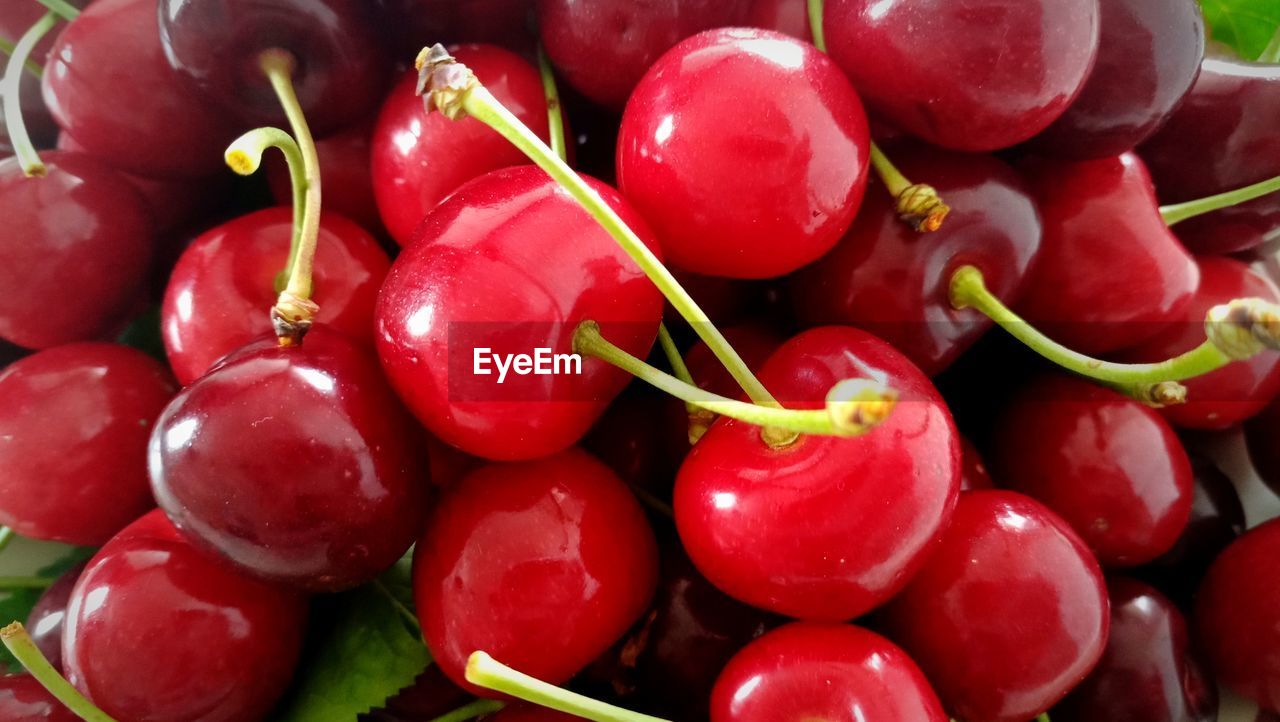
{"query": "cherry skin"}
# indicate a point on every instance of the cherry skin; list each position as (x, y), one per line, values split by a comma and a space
(973, 75)
(46, 618)
(603, 48)
(521, 712)
(224, 283)
(1010, 558)
(1260, 434)
(629, 439)
(1101, 223)
(973, 470)
(296, 463)
(74, 421)
(765, 194)
(345, 176)
(419, 158)
(500, 265)
(1149, 671)
(415, 22)
(790, 17)
(889, 279)
(236, 651)
(514, 553)
(23, 699)
(826, 528)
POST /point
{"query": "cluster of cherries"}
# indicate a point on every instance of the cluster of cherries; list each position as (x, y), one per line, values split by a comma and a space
(845, 230)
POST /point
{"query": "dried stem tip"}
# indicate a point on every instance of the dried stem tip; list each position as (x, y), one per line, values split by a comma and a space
(1243, 328)
(292, 317)
(920, 207)
(443, 82)
(1162, 394)
(856, 405)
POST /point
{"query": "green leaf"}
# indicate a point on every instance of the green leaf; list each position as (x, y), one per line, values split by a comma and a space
(16, 605)
(143, 333)
(1246, 25)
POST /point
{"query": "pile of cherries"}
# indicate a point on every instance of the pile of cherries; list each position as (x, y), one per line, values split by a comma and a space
(802, 527)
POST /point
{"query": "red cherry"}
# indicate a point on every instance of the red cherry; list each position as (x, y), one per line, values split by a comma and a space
(833, 672)
(1260, 433)
(23, 699)
(156, 630)
(296, 463)
(826, 528)
(630, 439)
(765, 194)
(222, 287)
(973, 470)
(448, 465)
(515, 553)
(500, 22)
(1011, 585)
(16, 19)
(74, 422)
(45, 621)
(520, 712)
(790, 17)
(420, 158)
(344, 175)
(511, 263)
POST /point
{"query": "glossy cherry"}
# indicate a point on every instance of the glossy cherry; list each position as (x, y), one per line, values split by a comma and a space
(514, 553)
(223, 286)
(790, 17)
(1260, 432)
(765, 194)
(889, 279)
(23, 699)
(235, 653)
(1005, 557)
(417, 23)
(511, 263)
(45, 622)
(419, 158)
(345, 176)
(296, 463)
(826, 528)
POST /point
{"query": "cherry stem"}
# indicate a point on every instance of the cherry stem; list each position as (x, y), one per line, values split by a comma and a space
(7, 536)
(1043, 717)
(699, 419)
(30, 65)
(485, 671)
(10, 583)
(816, 26)
(11, 92)
(647, 498)
(471, 711)
(1179, 212)
(61, 8)
(1272, 52)
(555, 121)
(450, 87)
(244, 156)
(294, 311)
(19, 643)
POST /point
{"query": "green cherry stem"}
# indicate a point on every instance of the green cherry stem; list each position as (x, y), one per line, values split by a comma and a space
(1043, 718)
(555, 119)
(816, 25)
(19, 643)
(244, 156)
(10, 95)
(12, 583)
(7, 536)
(61, 8)
(699, 419)
(485, 671)
(31, 66)
(1179, 212)
(471, 711)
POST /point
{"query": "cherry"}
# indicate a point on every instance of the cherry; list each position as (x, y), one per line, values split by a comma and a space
(46, 618)
(419, 158)
(500, 265)
(23, 699)
(1237, 616)
(447, 464)
(826, 527)
(181, 637)
(888, 279)
(345, 175)
(603, 48)
(1260, 435)
(1149, 671)
(74, 421)
(833, 672)
(415, 23)
(296, 463)
(790, 17)
(222, 286)
(1100, 223)
(15, 19)
(627, 439)
(1004, 557)
(513, 555)
(973, 470)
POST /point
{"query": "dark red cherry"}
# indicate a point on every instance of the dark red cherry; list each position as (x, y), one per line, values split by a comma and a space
(419, 158)
(74, 422)
(765, 194)
(631, 438)
(966, 74)
(825, 528)
(1237, 616)
(603, 48)
(110, 57)
(1005, 557)
(889, 279)
(345, 177)
(1149, 671)
(23, 699)
(973, 470)
(833, 672)
(1235, 392)
(45, 621)
(511, 263)
(340, 65)
(1101, 222)
(298, 464)
(521, 712)
(1261, 433)
(417, 23)
(223, 285)
(542, 564)
(790, 17)
(447, 464)
(156, 630)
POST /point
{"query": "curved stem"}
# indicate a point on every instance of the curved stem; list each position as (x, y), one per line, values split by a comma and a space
(7, 536)
(15, 637)
(11, 93)
(816, 26)
(471, 711)
(555, 120)
(30, 65)
(485, 671)
(1179, 212)
(9, 583)
(61, 8)
(244, 156)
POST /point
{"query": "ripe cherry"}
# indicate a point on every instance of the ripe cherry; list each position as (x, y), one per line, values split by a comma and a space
(973, 470)
(344, 174)
(235, 653)
(23, 699)
(414, 23)
(765, 194)
(520, 712)
(629, 439)
(329, 488)
(16, 19)
(45, 621)
(514, 553)
(1260, 434)
(790, 17)
(1012, 558)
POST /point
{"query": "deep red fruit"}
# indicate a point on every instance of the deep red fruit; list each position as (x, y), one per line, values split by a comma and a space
(790, 17)
(838, 673)
(419, 158)
(181, 637)
(765, 194)
(1016, 589)
(630, 438)
(511, 263)
(414, 23)
(345, 177)
(298, 464)
(973, 470)
(45, 621)
(23, 699)
(223, 286)
(1237, 616)
(74, 423)
(826, 528)
(966, 74)
(515, 553)
(1261, 432)
(522, 712)
(890, 280)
